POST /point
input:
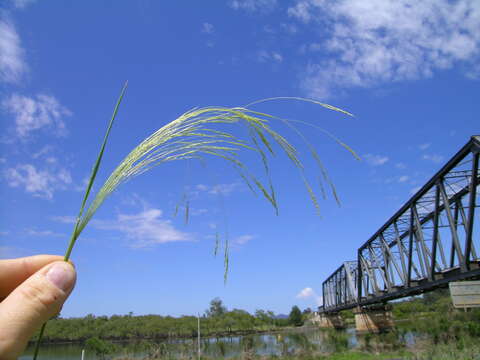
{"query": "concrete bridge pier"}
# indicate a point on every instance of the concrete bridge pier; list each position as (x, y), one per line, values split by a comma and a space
(329, 321)
(373, 319)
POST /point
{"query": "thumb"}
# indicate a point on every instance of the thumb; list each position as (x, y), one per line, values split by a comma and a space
(31, 304)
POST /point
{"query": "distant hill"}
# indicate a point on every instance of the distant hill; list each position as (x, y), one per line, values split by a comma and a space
(281, 316)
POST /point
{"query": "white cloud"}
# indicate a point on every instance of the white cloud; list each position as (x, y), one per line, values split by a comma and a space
(403, 178)
(269, 56)
(424, 146)
(198, 212)
(4, 233)
(383, 41)
(400, 165)
(144, 229)
(277, 57)
(415, 189)
(35, 113)
(64, 219)
(3, 160)
(223, 189)
(376, 160)
(433, 158)
(9, 252)
(207, 28)
(43, 151)
(49, 233)
(243, 239)
(42, 183)
(253, 5)
(289, 28)
(12, 63)
(201, 187)
(22, 4)
(218, 189)
(302, 10)
(307, 293)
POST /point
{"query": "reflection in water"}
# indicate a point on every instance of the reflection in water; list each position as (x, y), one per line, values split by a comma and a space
(296, 341)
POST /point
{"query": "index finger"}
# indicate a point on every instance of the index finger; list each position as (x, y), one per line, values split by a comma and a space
(13, 272)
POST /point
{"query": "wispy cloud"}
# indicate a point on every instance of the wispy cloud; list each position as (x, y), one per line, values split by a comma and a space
(375, 160)
(22, 4)
(64, 219)
(400, 166)
(403, 178)
(33, 232)
(382, 41)
(198, 212)
(34, 113)
(12, 63)
(207, 28)
(308, 293)
(9, 252)
(437, 159)
(415, 189)
(218, 189)
(243, 239)
(144, 229)
(289, 28)
(253, 5)
(41, 183)
(269, 56)
(424, 146)
(42, 152)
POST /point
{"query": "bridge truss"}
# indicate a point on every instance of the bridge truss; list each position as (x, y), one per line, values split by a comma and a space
(432, 240)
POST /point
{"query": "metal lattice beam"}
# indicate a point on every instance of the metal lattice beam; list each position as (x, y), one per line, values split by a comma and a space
(408, 254)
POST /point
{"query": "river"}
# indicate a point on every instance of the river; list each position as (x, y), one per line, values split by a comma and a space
(278, 343)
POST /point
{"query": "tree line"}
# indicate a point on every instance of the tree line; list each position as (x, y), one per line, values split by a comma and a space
(216, 321)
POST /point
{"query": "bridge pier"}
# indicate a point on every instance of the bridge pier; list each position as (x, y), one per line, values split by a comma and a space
(373, 319)
(329, 321)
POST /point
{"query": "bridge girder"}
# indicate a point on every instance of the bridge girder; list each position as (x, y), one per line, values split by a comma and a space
(433, 239)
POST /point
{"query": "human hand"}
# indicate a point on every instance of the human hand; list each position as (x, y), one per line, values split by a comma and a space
(32, 290)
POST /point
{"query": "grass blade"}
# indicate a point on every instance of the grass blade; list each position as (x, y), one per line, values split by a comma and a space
(93, 175)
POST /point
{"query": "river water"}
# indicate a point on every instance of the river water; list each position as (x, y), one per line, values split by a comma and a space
(278, 343)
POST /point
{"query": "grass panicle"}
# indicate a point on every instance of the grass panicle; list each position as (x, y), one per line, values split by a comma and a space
(195, 135)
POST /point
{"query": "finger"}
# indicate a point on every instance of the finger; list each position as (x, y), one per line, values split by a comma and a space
(15, 271)
(36, 300)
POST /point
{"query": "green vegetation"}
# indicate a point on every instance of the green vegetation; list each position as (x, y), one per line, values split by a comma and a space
(427, 327)
(100, 347)
(217, 321)
(295, 317)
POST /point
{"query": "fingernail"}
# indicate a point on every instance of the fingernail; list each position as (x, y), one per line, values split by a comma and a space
(61, 275)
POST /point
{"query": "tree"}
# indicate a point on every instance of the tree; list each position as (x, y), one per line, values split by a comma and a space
(216, 308)
(307, 311)
(295, 317)
(100, 347)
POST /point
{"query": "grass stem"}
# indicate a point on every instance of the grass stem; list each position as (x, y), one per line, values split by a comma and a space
(93, 175)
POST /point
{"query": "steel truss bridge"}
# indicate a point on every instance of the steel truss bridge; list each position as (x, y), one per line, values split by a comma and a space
(429, 242)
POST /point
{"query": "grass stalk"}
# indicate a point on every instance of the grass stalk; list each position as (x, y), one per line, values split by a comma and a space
(195, 135)
(91, 180)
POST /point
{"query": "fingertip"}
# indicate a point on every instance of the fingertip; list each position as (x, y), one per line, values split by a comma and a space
(62, 274)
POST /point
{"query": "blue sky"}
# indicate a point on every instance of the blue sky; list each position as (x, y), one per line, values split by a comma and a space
(409, 72)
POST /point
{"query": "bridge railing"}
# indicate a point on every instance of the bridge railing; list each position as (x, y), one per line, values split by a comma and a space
(340, 288)
(431, 240)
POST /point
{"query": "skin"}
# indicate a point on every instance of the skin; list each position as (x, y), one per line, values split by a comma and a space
(32, 290)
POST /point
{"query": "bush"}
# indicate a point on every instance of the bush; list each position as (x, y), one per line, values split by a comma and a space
(100, 347)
